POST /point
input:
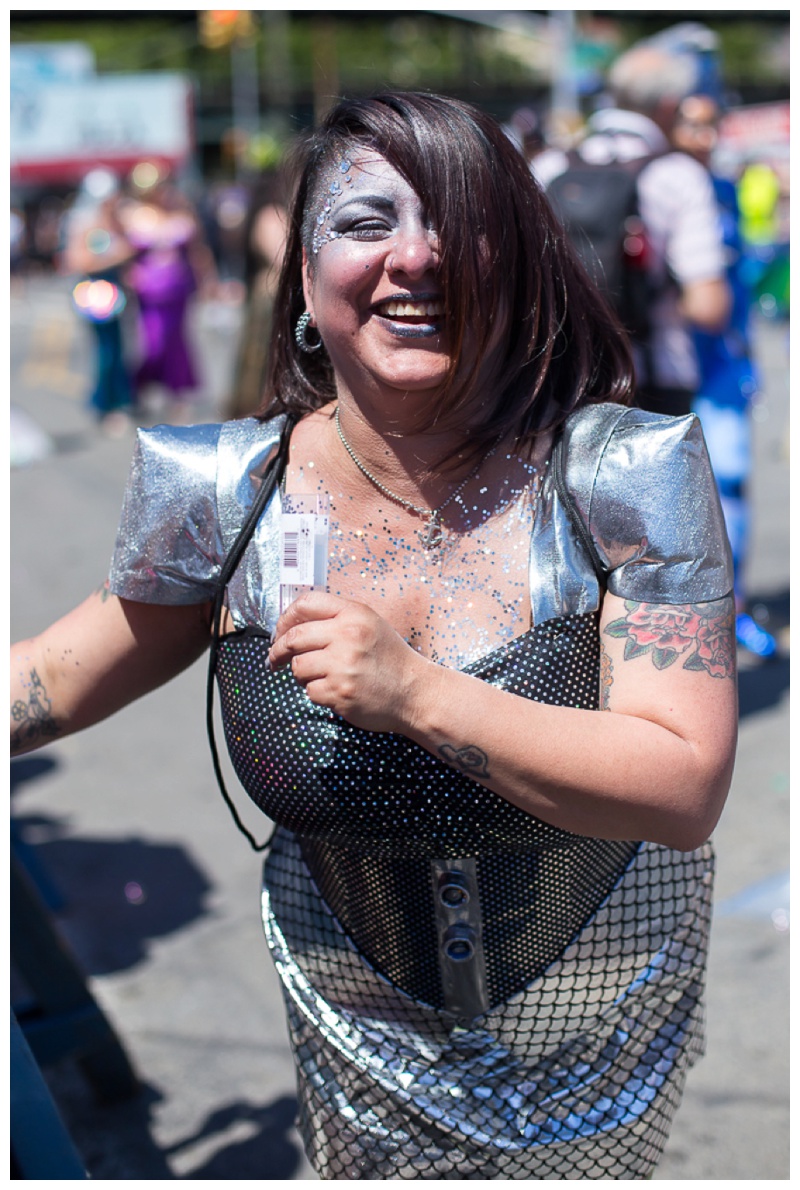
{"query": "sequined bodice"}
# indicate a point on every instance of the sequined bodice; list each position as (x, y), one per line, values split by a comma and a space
(317, 775)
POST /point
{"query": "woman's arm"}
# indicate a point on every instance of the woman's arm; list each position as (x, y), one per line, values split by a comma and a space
(97, 659)
(654, 763)
(79, 257)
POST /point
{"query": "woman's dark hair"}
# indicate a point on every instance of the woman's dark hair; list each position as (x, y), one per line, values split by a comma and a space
(506, 267)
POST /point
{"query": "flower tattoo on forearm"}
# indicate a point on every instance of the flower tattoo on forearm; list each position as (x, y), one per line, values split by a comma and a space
(35, 721)
(470, 759)
(699, 633)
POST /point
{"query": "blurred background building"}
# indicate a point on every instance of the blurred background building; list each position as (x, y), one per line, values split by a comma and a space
(217, 96)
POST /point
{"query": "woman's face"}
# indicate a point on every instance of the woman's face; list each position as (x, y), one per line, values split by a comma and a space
(372, 282)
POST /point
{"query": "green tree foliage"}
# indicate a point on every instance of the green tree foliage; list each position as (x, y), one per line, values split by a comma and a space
(411, 49)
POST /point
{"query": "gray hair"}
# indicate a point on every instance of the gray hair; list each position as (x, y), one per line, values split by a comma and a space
(646, 75)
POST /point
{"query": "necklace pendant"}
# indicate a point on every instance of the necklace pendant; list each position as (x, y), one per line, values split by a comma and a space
(432, 535)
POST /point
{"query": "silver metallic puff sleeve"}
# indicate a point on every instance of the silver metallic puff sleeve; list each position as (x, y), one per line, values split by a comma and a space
(189, 491)
(644, 487)
(169, 547)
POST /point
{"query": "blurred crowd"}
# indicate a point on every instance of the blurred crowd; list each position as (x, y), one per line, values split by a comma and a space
(140, 249)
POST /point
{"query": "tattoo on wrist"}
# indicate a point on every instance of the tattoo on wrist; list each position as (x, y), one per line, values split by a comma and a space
(35, 723)
(470, 759)
(702, 634)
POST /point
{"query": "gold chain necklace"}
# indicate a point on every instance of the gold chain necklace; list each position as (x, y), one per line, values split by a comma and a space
(432, 535)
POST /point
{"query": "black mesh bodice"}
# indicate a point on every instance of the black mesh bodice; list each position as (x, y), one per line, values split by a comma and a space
(320, 777)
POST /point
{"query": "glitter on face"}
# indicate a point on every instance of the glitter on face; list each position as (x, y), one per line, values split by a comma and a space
(333, 191)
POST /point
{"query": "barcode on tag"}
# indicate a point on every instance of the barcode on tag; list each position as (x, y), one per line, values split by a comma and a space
(303, 545)
(291, 551)
(297, 549)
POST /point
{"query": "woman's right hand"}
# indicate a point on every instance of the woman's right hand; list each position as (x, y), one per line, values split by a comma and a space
(103, 655)
(351, 660)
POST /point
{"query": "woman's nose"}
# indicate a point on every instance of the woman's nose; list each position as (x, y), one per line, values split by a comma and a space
(414, 252)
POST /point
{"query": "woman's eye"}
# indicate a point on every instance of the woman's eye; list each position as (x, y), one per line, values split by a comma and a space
(365, 229)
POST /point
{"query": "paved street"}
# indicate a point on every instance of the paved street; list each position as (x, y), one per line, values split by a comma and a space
(161, 894)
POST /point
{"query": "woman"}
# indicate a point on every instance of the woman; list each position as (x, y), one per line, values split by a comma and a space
(496, 745)
(97, 250)
(264, 239)
(172, 263)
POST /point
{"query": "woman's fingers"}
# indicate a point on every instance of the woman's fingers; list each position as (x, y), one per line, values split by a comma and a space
(308, 667)
(294, 630)
(315, 605)
(348, 659)
(345, 657)
(302, 638)
(316, 620)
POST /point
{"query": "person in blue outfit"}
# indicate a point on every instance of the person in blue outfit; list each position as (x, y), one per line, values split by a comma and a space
(729, 378)
(97, 251)
(495, 745)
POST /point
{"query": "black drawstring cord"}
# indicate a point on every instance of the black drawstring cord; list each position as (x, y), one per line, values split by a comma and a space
(272, 478)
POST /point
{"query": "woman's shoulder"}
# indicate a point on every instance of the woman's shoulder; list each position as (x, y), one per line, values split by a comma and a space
(188, 491)
(601, 424)
(194, 447)
(626, 444)
(643, 486)
(197, 468)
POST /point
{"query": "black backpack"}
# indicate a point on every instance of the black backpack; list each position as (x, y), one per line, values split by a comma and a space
(599, 208)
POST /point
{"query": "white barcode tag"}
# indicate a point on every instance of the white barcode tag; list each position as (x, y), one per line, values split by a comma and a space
(304, 546)
(297, 549)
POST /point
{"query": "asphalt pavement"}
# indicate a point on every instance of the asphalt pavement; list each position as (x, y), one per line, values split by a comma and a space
(158, 894)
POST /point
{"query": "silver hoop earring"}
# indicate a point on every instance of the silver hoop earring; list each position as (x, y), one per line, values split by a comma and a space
(301, 335)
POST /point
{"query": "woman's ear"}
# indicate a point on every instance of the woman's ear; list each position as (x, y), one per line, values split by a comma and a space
(307, 284)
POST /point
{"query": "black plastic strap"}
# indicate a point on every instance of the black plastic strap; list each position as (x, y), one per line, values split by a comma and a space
(272, 479)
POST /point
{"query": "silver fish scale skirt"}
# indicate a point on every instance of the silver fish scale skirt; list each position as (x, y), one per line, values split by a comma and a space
(471, 993)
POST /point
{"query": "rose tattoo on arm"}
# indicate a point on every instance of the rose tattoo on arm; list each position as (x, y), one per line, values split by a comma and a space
(699, 633)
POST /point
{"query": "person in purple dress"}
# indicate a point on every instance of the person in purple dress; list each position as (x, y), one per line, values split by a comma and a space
(172, 264)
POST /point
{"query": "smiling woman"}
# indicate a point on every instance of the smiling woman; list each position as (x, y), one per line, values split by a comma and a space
(495, 744)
